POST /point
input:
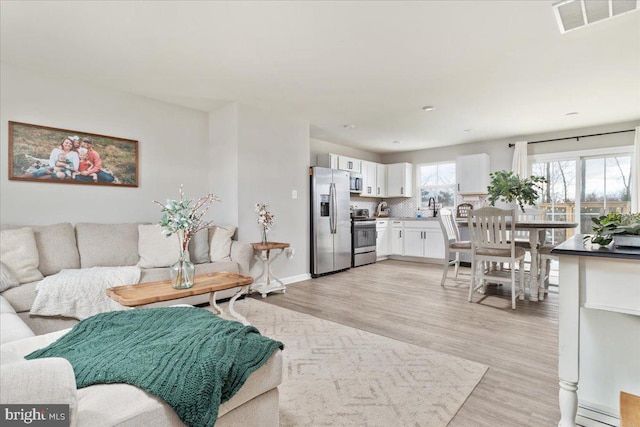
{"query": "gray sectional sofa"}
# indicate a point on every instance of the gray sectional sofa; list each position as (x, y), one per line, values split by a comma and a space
(62, 246)
(51, 380)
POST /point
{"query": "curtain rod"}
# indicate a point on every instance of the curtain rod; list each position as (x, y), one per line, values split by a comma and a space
(577, 138)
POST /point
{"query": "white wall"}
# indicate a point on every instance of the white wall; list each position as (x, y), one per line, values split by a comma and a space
(271, 158)
(223, 163)
(501, 155)
(319, 146)
(172, 144)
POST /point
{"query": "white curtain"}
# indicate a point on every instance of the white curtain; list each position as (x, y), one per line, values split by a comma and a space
(519, 165)
(635, 174)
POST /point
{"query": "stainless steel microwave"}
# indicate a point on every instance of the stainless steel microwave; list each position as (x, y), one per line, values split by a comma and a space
(355, 182)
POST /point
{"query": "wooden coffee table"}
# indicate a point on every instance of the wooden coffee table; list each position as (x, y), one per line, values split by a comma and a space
(147, 293)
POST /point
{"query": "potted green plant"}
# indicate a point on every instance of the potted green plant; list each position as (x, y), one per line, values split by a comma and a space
(509, 187)
(623, 229)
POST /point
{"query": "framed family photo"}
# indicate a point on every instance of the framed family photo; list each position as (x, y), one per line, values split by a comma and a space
(46, 154)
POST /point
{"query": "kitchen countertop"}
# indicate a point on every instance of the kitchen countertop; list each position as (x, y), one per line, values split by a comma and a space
(427, 218)
(577, 246)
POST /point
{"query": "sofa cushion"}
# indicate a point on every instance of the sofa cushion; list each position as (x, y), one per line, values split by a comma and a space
(19, 253)
(21, 298)
(107, 245)
(57, 248)
(199, 247)
(7, 279)
(155, 248)
(12, 328)
(220, 243)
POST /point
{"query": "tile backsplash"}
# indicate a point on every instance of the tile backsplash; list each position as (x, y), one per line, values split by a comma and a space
(408, 206)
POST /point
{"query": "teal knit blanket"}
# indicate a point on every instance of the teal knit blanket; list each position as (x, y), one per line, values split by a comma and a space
(188, 356)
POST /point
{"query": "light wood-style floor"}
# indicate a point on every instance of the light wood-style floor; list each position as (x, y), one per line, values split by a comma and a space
(404, 301)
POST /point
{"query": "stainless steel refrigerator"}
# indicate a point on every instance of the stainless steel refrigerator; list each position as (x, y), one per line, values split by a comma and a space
(330, 221)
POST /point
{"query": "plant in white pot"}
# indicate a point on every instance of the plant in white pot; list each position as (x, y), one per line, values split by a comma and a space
(508, 187)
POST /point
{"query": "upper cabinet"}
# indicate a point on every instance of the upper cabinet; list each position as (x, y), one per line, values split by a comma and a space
(473, 173)
(349, 164)
(369, 178)
(335, 161)
(381, 180)
(395, 180)
(400, 180)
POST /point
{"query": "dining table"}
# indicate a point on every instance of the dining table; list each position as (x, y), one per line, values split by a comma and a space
(536, 229)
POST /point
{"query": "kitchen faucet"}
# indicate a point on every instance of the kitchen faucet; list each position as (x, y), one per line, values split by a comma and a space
(432, 206)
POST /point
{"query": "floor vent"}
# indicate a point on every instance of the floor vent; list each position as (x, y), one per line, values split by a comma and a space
(572, 14)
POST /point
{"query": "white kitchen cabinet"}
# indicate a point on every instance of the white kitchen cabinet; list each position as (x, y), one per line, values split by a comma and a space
(334, 161)
(382, 240)
(349, 164)
(400, 180)
(396, 238)
(381, 180)
(369, 178)
(472, 173)
(423, 239)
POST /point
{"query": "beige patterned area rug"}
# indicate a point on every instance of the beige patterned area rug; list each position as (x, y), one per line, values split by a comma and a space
(335, 375)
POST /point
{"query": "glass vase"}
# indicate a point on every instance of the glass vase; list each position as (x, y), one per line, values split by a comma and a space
(182, 272)
(264, 236)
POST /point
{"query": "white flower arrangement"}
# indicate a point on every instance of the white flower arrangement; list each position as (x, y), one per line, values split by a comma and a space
(265, 218)
(184, 219)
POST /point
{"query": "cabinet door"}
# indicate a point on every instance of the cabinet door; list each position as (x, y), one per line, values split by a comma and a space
(349, 164)
(434, 243)
(382, 242)
(369, 172)
(396, 241)
(414, 242)
(399, 180)
(381, 180)
(472, 173)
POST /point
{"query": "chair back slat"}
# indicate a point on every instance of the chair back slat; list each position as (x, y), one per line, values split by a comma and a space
(489, 227)
(449, 226)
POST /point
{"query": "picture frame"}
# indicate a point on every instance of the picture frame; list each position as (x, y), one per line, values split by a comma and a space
(51, 155)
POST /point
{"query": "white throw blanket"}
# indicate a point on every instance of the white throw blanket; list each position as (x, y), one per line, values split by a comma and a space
(81, 293)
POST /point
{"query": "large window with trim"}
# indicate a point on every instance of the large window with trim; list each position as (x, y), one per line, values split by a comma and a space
(437, 181)
(584, 184)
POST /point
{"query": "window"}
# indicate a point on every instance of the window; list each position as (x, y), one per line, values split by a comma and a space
(583, 185)
(438, 180)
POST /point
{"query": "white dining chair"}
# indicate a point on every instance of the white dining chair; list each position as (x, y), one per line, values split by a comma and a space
(522, 236)
(491, 242)
(452, 243)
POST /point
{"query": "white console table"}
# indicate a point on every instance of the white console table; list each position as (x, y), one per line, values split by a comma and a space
(268, 282)
(599, 331)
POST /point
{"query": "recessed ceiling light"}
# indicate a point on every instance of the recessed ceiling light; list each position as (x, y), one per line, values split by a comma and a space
(349, 126)
(396, 142)
(428, 108)
(573, 113)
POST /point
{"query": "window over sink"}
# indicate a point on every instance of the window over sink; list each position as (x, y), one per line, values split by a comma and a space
(437, 180)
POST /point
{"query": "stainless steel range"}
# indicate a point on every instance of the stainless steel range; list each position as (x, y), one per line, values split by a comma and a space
(363, 238)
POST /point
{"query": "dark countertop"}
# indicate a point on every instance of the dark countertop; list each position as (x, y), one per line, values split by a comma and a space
(576, 246)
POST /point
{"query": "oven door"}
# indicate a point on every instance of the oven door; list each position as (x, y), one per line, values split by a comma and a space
(364, 237)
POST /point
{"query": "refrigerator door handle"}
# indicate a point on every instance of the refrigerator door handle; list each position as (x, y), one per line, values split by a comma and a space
(333, 208)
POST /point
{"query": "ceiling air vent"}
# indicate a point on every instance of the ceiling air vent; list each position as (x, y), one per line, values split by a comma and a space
(572, 14)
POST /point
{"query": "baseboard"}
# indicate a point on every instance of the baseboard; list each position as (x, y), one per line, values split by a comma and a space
(294, 279)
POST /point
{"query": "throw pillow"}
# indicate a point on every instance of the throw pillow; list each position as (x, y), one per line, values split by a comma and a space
(156, 249)
(220, 243)
(57, 248)
(199, 247)
(7, 280)
(107, 245)
(19, 254)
